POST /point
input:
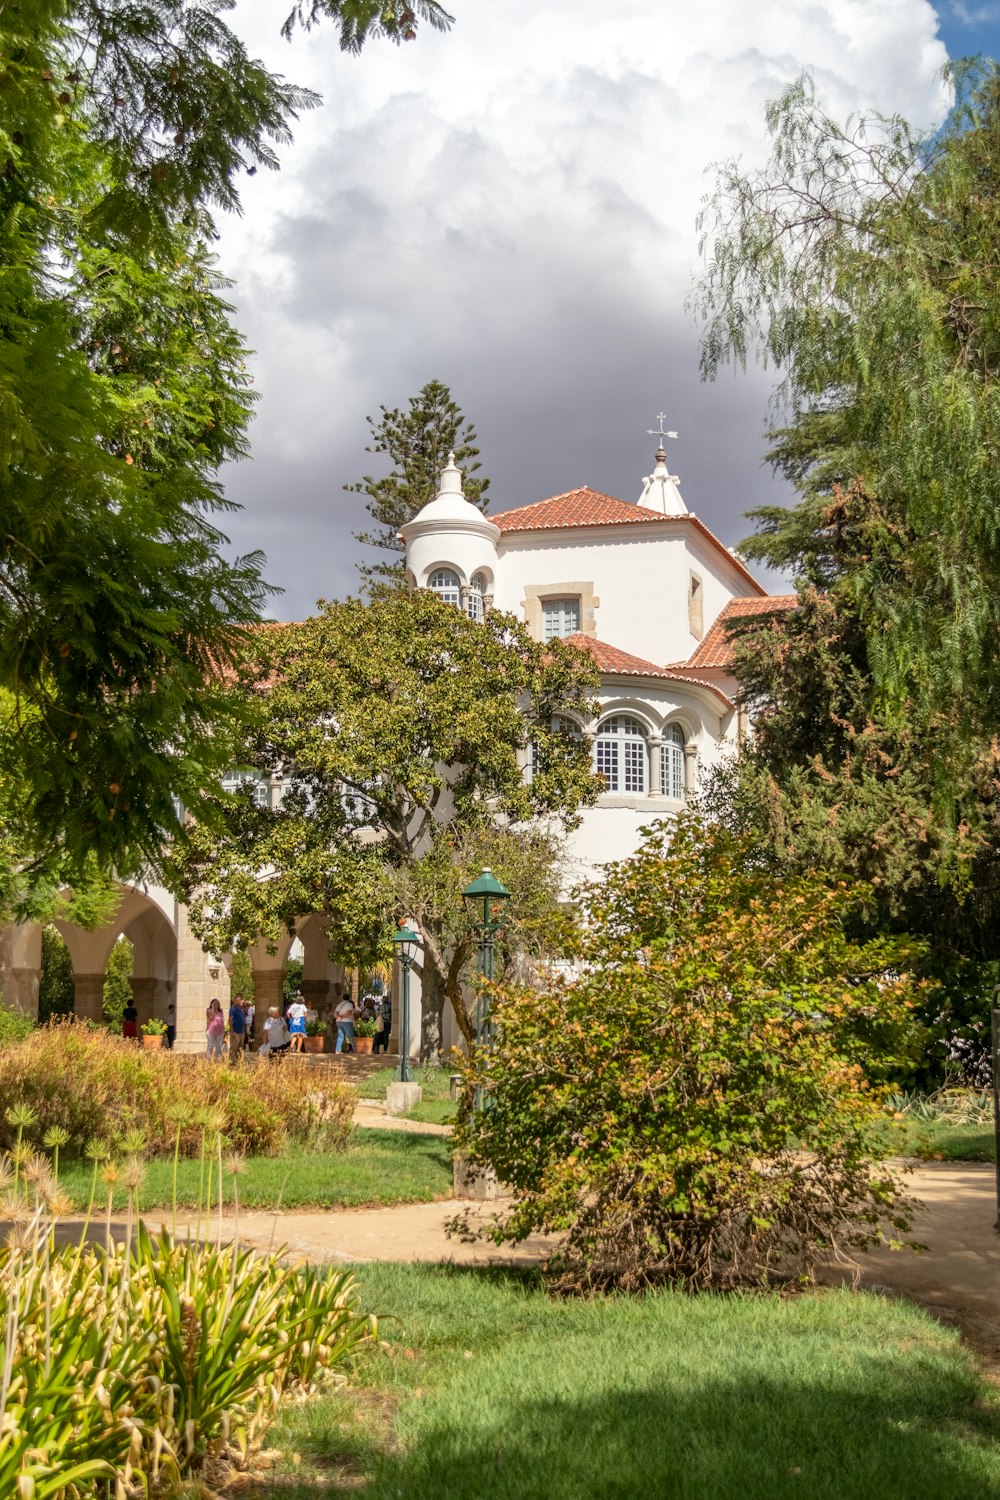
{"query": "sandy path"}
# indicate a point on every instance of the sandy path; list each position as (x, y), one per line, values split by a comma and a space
(371, 1114)
(958, 1277)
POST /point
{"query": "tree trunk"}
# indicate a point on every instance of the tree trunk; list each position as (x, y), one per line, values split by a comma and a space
(432, 1013)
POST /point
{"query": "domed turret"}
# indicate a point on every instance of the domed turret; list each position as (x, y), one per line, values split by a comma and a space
(451, 546)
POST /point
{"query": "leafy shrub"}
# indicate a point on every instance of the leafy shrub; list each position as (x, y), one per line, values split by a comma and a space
(14, 1026)
(94, 1085)
(696, 1105)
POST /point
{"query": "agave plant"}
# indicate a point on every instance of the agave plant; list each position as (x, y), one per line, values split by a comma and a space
(128, 1363)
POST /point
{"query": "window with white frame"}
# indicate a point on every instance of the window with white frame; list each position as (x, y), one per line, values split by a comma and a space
(234, 780)
(477, 589)
(672, 762)
(447, 585)
(560, 618)
(620, 754)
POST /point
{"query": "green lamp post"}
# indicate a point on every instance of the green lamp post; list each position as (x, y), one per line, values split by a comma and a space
(406, 943)
(486, 910)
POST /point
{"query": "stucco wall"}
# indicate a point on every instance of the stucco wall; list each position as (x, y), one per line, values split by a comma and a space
(640, 575)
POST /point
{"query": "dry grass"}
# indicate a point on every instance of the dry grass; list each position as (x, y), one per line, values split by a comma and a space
(99, 1087)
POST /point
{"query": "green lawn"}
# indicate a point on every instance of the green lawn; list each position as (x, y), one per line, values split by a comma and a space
(489, 1389)
(435, 1082)
(379, 1167)
(435, 1111)
(940, 1140)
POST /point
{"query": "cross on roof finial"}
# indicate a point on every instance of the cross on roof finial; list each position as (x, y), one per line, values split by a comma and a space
(660, 432)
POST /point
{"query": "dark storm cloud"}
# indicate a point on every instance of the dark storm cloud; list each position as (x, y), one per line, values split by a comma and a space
(521, 226)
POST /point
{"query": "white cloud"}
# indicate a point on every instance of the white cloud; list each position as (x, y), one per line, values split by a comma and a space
(510, 208)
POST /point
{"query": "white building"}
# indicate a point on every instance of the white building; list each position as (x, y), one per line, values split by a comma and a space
(643, 585)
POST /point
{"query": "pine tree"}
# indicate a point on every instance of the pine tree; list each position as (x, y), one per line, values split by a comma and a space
(418, 441)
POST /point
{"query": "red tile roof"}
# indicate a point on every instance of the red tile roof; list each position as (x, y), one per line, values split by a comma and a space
(587, 507)
(610, 659)
(582, 507)
(716, 650)
(622, 664)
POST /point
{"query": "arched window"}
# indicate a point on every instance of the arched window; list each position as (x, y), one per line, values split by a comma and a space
(477, 588)
(567, 729)
(672, 762)
(620, 754)
(446, 585)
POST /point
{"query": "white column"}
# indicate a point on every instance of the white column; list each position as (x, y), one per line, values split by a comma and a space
(655, 767)
(690, 769)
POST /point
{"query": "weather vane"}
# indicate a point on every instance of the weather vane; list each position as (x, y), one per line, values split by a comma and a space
(659, 432)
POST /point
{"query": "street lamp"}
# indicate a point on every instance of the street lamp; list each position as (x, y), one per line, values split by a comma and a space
(406, 943)
(486, 908)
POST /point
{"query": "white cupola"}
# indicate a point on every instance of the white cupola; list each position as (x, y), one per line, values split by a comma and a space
(451, 546)
(659, 489)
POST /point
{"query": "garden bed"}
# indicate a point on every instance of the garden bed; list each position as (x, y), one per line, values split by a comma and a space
(379, 1167)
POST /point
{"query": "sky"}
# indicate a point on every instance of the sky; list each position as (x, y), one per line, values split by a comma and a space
(511, 208)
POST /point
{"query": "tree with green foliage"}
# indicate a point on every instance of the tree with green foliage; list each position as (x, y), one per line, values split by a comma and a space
(862, 261)
(825, 783)
(398, 729)
(696, 1104)
(56, 990)
(123, 389)
(360, 21)
(117, 985)
(291, 982)
(241, 975)
(418, 441)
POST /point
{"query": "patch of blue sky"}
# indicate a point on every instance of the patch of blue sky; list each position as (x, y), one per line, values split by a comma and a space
(969, 27)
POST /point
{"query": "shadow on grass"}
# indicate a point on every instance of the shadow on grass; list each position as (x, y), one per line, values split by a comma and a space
(514, 1396)
(852, 1439)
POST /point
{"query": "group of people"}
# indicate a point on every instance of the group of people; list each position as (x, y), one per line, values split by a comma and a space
(375, 1006)
(286, 1032)
(238, 1026)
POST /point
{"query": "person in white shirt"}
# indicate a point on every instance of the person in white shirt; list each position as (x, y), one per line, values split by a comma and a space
(297, 1022)
(275, 1035)
(344, 1014)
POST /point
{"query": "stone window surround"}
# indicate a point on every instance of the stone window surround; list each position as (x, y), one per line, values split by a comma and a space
(535, 595)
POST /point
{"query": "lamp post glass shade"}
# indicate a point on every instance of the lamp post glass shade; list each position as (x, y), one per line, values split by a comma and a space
(406, 943)
(486, 902)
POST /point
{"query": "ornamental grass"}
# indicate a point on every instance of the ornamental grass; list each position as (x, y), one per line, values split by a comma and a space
(128, 1368)
(95, 1086)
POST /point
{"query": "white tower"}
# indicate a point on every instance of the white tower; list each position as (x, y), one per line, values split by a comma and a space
(451, 547)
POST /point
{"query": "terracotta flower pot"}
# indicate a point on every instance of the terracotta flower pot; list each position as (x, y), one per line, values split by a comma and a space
(363, 1044)
(313, 1044)
(153, 1041)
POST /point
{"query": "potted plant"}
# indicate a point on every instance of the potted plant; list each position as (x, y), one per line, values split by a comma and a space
(364, 1035)
(315, 1029)
(153, 1032)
